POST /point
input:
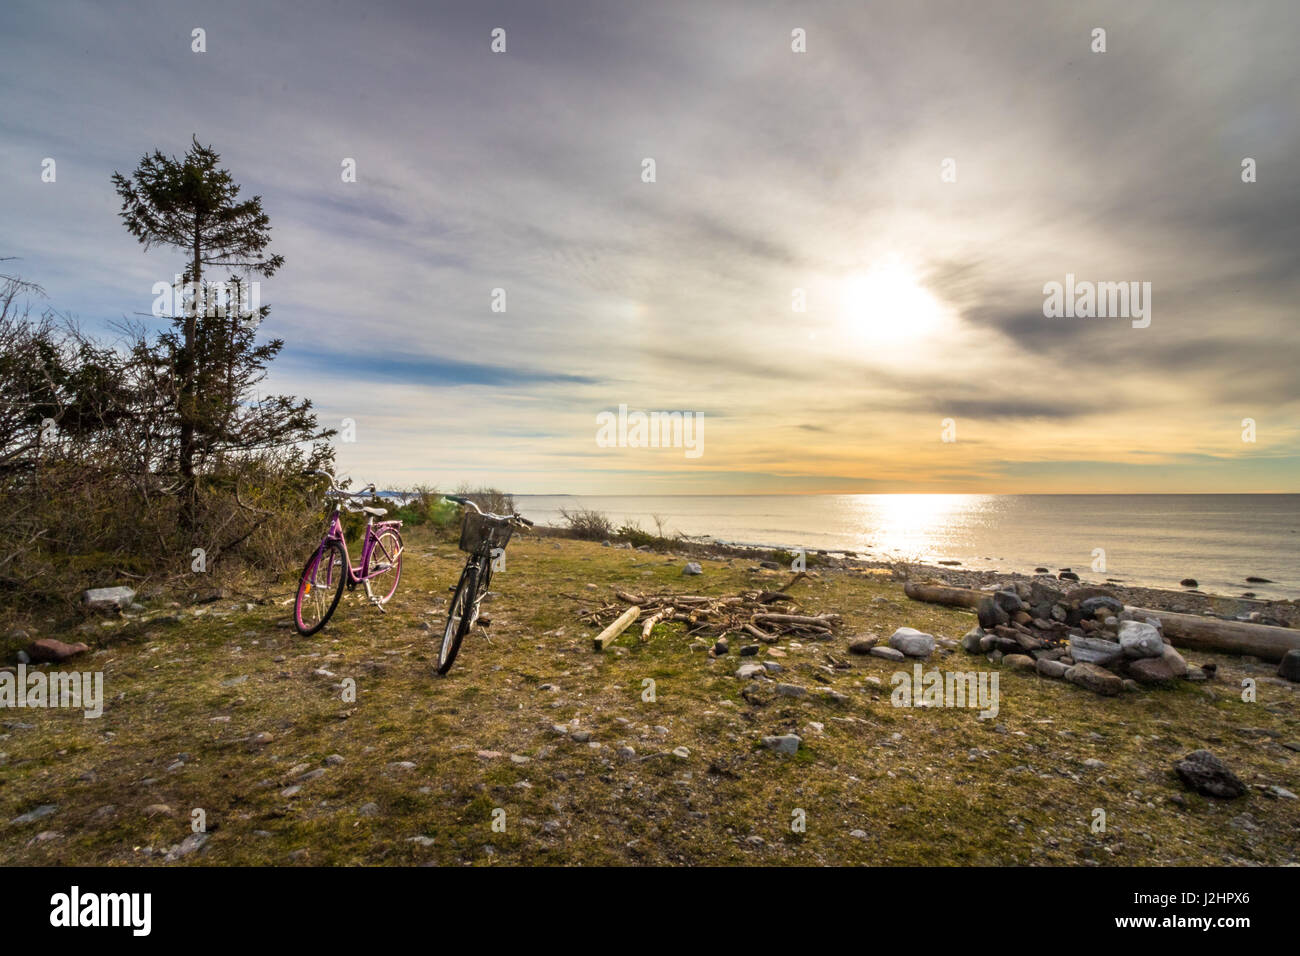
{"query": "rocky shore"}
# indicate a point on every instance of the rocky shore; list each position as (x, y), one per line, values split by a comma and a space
(1279, 613)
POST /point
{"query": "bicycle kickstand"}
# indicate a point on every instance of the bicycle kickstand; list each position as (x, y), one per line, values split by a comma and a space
(374, 600)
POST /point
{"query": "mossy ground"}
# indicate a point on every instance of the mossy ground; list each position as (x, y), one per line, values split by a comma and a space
(926, 787)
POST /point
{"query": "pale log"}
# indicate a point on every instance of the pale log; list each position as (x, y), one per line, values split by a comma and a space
(607, 636)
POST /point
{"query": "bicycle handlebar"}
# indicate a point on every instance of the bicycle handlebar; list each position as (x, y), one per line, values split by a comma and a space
(462, 500)
(336, 492)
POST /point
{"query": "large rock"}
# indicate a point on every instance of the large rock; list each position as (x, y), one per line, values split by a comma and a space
(863, 643)
(750, 671)
(888, 653)
(692, 567)
(1205, 773)
(48, 649)
(108, 599)
(1169, 666)
(971, 642)
(912, 642)
(1096, 679)
(1137, 639)
(1290, 666)
(1095, 650)
(1049, 668)
(1009, 601)
(990, 614)
(1091, 605)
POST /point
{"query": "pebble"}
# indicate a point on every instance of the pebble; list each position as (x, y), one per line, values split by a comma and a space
(190, 844)
(31, 816)
(785, 743)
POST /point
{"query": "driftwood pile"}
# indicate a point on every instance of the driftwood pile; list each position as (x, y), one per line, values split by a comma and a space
(762, 615)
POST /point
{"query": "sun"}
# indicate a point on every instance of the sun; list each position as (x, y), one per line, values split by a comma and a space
(888, 305)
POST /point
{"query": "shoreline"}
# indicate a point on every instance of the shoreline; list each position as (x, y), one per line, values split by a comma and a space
(1277, 611)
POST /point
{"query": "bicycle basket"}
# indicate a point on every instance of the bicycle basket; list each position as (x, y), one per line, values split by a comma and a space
(479, 532)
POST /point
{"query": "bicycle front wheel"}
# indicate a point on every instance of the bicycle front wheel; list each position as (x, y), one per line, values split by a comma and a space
(457, 618)
(320, 588)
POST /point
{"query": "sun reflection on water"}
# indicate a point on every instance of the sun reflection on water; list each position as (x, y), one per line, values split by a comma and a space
(914, 526)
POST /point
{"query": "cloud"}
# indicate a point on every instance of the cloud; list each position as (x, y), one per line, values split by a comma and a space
(775, 171)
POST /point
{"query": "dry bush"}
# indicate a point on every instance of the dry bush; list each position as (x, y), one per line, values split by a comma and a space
(587, 524)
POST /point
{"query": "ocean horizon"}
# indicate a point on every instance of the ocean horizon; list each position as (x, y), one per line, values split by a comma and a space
(1149, 540)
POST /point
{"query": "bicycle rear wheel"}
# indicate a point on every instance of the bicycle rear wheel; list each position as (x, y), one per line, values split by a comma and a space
(385, 568)
(320, 588)
(457, 618)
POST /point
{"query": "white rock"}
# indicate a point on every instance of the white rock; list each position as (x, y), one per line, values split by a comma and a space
(1140, 640)
(785, 744)
(912, 642)
(105, 599)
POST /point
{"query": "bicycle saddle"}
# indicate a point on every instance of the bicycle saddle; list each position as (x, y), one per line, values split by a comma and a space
(377, 512)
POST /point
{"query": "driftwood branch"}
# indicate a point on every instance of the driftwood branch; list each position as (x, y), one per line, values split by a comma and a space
(607, 636)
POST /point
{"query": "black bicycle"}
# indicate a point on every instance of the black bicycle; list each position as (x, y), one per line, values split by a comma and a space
(484, 537)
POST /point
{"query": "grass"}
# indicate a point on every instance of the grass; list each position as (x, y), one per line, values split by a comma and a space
(189, 692)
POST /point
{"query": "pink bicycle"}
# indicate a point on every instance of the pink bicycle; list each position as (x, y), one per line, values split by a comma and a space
(329, 570)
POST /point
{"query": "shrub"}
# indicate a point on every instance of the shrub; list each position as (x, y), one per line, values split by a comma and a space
(587, 524)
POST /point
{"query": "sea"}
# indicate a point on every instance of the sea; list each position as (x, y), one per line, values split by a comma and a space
(1142, 540)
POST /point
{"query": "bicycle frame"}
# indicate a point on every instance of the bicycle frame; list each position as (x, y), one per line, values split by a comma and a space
(357, 575)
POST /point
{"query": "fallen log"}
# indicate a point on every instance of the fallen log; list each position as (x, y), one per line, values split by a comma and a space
(1193, 631)
(821, 621)
(944, 594)
(1264, 641)
(607, 636)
